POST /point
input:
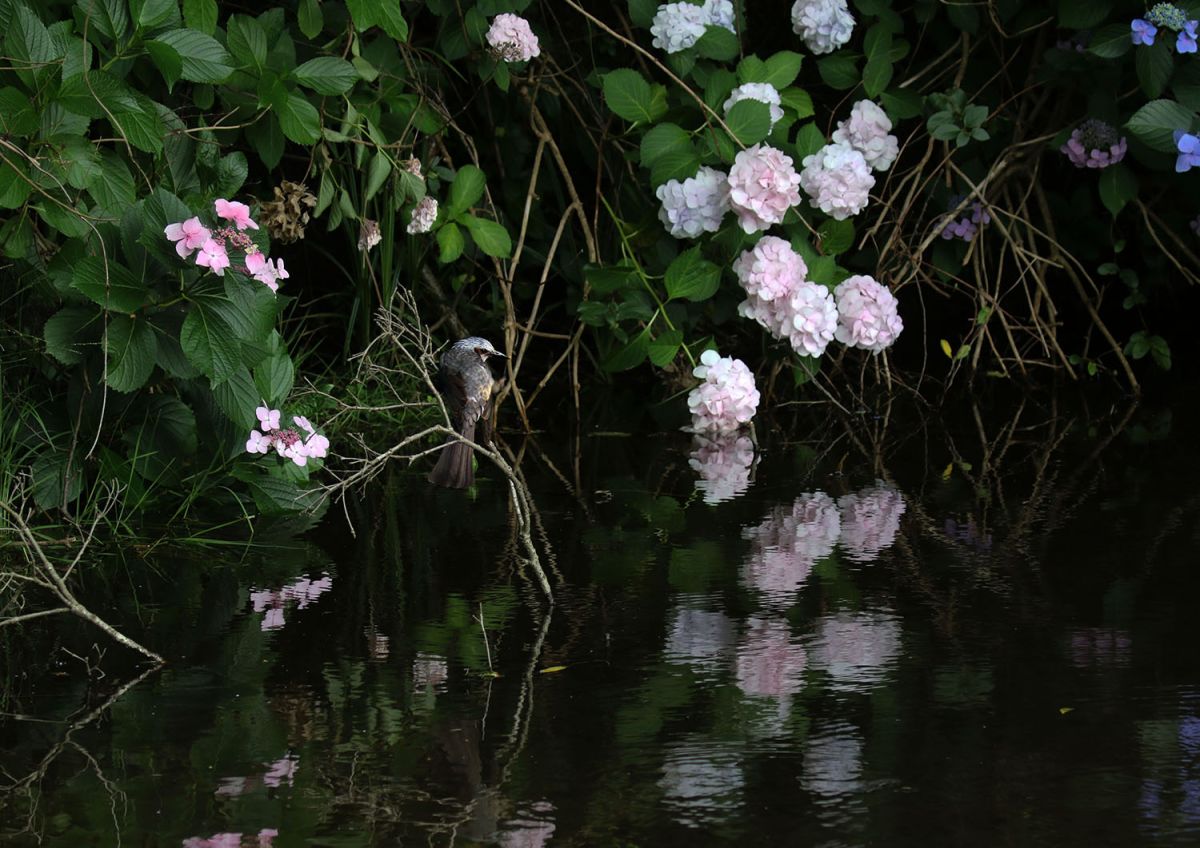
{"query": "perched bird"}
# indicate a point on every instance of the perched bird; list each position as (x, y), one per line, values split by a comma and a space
(465, 381)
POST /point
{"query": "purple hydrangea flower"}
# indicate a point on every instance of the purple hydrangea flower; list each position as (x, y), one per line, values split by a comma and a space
(1094, 144)
(966, 227)
(1188, 146)
(1143, 32)
(1186, 41)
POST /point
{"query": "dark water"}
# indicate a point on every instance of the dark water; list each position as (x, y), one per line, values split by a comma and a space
(975, 628)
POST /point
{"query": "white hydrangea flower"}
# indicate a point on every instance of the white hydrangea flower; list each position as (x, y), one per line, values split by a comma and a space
(678, 26)
(824, 25)
(837, 180)
(763, 92)
(813, 319)
(423, 215)
(719, 13)
(695, 205)
(869, 132)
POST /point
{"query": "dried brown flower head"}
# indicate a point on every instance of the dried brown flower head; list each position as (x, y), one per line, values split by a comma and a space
(287, 215)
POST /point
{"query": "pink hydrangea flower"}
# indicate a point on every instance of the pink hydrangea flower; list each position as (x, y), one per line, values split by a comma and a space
(258, 442)
(423, 215)
(722, 462)
(511, 39)
(812, 319)
(869, 132)
(870, 520)
(269, 274)
(273, 620)
(762, 187)
(255, 262)
(315, 445)
(823, 25)
(268, 418)
(239, 213)
(1094, 144)
(867, 314)
(695, 205)
(727, 398)
(770, 270)
(770, 663)
(188, 236)
(282, 771)
(785, 547)
(837, 180)
(212, 256)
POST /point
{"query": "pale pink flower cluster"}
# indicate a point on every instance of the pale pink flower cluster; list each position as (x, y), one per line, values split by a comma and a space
(423, 215)
(727, 398)
(856, 649)
(867, 314)
(511, 39)
(278, 773)
(678, 26)
(302, 593)
(837, 180)
(769, 662)
(824, 25)
(265, 838)
(287, 442)
(788, 543)
(869, 131)
(722, 462)
(762, 187)
(870, 520)
(695, 205)
(781, 300)
(212, 245)
(763, 92)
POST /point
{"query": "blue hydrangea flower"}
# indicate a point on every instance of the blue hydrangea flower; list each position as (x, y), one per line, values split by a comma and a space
(1143, 32)
(1188, 146)
(1167, 15)
(1186, 42)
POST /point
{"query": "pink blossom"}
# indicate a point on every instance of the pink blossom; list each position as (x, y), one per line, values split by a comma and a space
(268, 418)
(769, 663)
(762, 187)
(239, 213)
(727, 398)
(788, 543)
(273, 620)
(219, 840)
(511, 39)
(188, 236)
(856, 649)
(1094, 144)
(282, 771)
(212, 256)
(869, 132)
(268, 274)
(770, 270)
(304, 424)
(867, 314)
(266, 837)
(812, 319)
(317, 446)
(255, 262)
(722, 462)
(837, 180)
(695, 205)
(258, 443)
(870, 520)
(423, 215)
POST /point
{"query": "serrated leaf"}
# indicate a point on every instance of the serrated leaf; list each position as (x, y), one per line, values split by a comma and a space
(902, 103)
(665, 348)
(631, 355)
(1084, 14)
(466, 190)
(156, 13)
(168, 61)
(118, 290)
(661, 139)
(836, 236)
(274, 378)
(692, 277)
(204, 59)
(629, 96)
(109, 18)
(1155, 123)
(210, 344)
(231, 173)
(17, 115)
(131, 352)
(310, 19)
(56, 480)
(838, 71)
(377, 173)
(783, 68)
(450, 243)
(248, 307)
(1118, 186)
(28, 48)
(201, 15)
(1154, 65)
(247, 41)
(877, 75)
(326, 75)
(298, 119)
(613, 278)
(238, 397)
(64, 332)
(491, 237)
(749, 121)
(809, 140)
(752, 69)
(798, 100)
(717, 43)
(642, 12)
(267, 138)
(678, 163)
(15, 184)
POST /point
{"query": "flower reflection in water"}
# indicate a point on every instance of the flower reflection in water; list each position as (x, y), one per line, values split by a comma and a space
(303, 592)
(701, 782)
(833, 761)
(277, 774)
(1170, 796)
(723, 462)
(429, 673)
(870, 520)
(1099, 647)
(788, 543)
(699, 638)
(263, 839)
(531, 830)
(770, 666)
(856, 649)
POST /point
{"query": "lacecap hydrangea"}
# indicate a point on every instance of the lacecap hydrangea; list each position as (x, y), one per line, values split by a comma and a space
(837, 180)
(823, 25)
(695, 205)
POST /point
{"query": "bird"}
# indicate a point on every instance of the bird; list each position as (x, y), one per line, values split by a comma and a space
(465, 382)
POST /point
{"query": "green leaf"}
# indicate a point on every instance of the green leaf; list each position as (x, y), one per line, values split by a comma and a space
(248, 307)
(836, 236)
(267, 139)
(56, 480)
(111, 186)
(231, 173)
(118, 291)
(661, 139)
(298, 119)
(327, 75)
(1111, 41)
(629, 96)
(64, 332)
(629, 356)
(720, 83)
(390, 19)
(676, 164)
(310, 18)
(692, 277)
(377, 173)
(642, 12)
(156, 13)
(1118, 186)
(450, 242)
(1084, 14)
(783, 68)
(107, 17)
(171, 421)
(210, 344)
(613, 278)
(238, 397)
(29, 50)
(1155, 124)
(247, 41)
(902, 103)
(1154, 66)
(466, 190)
(201, 15)
(749, 120)
(17, 115)
(1186, 85)
(204, 59)
(809, 140)
(492, 237)
(798, 100)
(752, 69)
(877, 75)
(168, 61)
(131, 352)
(15, 186)
(717, 43)
(274, 378)
(664, 349)
(838, 71)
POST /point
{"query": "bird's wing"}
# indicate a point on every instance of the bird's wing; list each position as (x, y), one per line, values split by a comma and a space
(454, 392)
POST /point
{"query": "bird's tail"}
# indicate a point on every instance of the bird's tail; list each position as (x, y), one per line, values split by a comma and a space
(454, 467)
